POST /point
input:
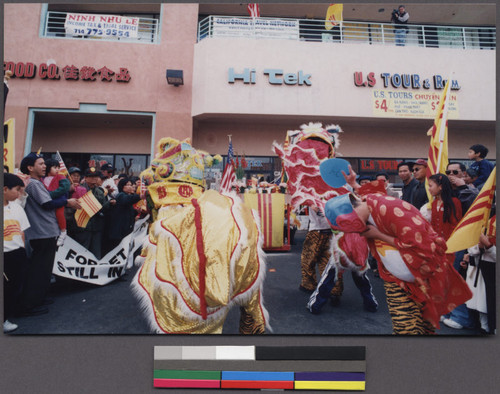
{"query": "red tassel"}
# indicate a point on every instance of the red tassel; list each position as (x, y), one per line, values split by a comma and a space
(201, 256)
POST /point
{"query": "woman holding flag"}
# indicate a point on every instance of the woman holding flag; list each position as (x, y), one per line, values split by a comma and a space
(445, 211)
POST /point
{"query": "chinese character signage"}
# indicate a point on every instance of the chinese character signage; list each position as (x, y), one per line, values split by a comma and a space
(68, 72)
(101, 25)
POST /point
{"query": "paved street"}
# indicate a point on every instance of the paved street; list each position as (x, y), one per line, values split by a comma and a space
(81, 308)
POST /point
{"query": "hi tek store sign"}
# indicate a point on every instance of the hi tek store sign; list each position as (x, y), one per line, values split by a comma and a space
(407, 95)
(68, 72)
(274, 76)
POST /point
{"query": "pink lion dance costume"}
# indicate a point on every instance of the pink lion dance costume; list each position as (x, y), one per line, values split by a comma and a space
(303, 152)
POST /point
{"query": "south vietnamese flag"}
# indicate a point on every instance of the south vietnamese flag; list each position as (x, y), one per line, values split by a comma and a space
(90, 206)
(437, 161)
(467, 232)
(333, 15)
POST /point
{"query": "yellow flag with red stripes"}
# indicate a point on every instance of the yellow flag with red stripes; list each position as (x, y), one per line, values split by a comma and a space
(333, 15)
(437, 160)
(90, 206)
(467, 232)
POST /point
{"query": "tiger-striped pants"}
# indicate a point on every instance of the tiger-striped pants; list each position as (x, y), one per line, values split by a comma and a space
(248, 325)
(406, 314)
(315, 252)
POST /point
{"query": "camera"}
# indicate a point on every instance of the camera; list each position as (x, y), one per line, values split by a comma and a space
(395, 12)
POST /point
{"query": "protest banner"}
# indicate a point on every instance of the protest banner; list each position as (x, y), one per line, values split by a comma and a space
(73, 261)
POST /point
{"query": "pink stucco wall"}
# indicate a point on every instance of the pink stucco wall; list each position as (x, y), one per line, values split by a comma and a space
(147, 90)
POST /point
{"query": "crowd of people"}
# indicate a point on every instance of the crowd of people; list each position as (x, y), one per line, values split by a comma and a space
(452, 194)
(39, 213)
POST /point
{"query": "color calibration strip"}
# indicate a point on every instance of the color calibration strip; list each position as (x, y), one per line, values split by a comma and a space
(260, 367)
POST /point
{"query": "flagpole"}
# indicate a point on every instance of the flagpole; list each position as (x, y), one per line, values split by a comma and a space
(444, 121)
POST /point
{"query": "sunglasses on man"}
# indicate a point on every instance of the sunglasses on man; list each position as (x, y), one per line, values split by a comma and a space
(454, 172)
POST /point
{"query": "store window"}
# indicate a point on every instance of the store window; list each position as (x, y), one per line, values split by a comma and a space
(266, 167)
(122, 23)
(132, 165)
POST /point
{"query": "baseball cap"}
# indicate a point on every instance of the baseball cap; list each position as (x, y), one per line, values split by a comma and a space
(92, 172)
(74, 169)
(421, 162)
(29, 160)
(107, 167)
(364, 178)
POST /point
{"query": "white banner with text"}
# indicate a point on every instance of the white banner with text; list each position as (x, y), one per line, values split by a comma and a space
(258, 27)
(101, 25)
(73, 261)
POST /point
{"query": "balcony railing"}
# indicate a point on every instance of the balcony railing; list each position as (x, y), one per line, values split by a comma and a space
(140, 30)
(349, 32)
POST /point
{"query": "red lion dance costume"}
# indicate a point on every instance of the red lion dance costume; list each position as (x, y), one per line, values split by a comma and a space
(302, 154)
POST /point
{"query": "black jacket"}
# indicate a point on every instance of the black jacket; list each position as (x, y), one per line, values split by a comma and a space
(121, 217)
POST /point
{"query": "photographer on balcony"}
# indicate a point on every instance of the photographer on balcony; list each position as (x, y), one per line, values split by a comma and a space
(400, 18)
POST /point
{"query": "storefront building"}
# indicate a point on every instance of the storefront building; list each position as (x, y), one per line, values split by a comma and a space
(104, 97)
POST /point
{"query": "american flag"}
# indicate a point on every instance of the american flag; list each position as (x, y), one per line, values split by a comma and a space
(253, 10)
(228, 176)
(62, 167)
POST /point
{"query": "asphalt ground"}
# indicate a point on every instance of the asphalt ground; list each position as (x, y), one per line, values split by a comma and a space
(81, 308)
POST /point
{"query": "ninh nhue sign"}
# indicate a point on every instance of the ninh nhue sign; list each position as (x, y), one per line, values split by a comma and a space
(101, 25)
(407, 95)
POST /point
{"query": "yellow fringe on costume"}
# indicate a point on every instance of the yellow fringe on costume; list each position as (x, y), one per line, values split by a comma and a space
(168, 282)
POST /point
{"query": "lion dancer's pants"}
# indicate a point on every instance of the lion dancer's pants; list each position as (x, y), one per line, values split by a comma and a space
(331, 283)
(406, 314)
(316, 251)
(323, 292)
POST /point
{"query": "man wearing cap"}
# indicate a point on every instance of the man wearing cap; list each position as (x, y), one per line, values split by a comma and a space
(419, 194)
(384, 177)
(91, 236)
(364, 179)
(76, 190)
(42, 235)
(420, 283)
(109, 183)
(409, 183)
(465, 193)
(460, 316)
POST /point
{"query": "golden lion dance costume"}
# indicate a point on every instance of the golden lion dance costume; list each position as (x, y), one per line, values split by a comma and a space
(203, 254)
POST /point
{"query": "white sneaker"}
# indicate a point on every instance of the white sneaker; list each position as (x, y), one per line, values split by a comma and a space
(8, 326)
(453, 324)
(61, 238)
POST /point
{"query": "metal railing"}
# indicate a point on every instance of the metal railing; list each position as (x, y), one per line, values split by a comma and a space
(146, 30)
(349, 32)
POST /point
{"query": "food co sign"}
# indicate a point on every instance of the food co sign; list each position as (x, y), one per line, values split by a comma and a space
(52, 72)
